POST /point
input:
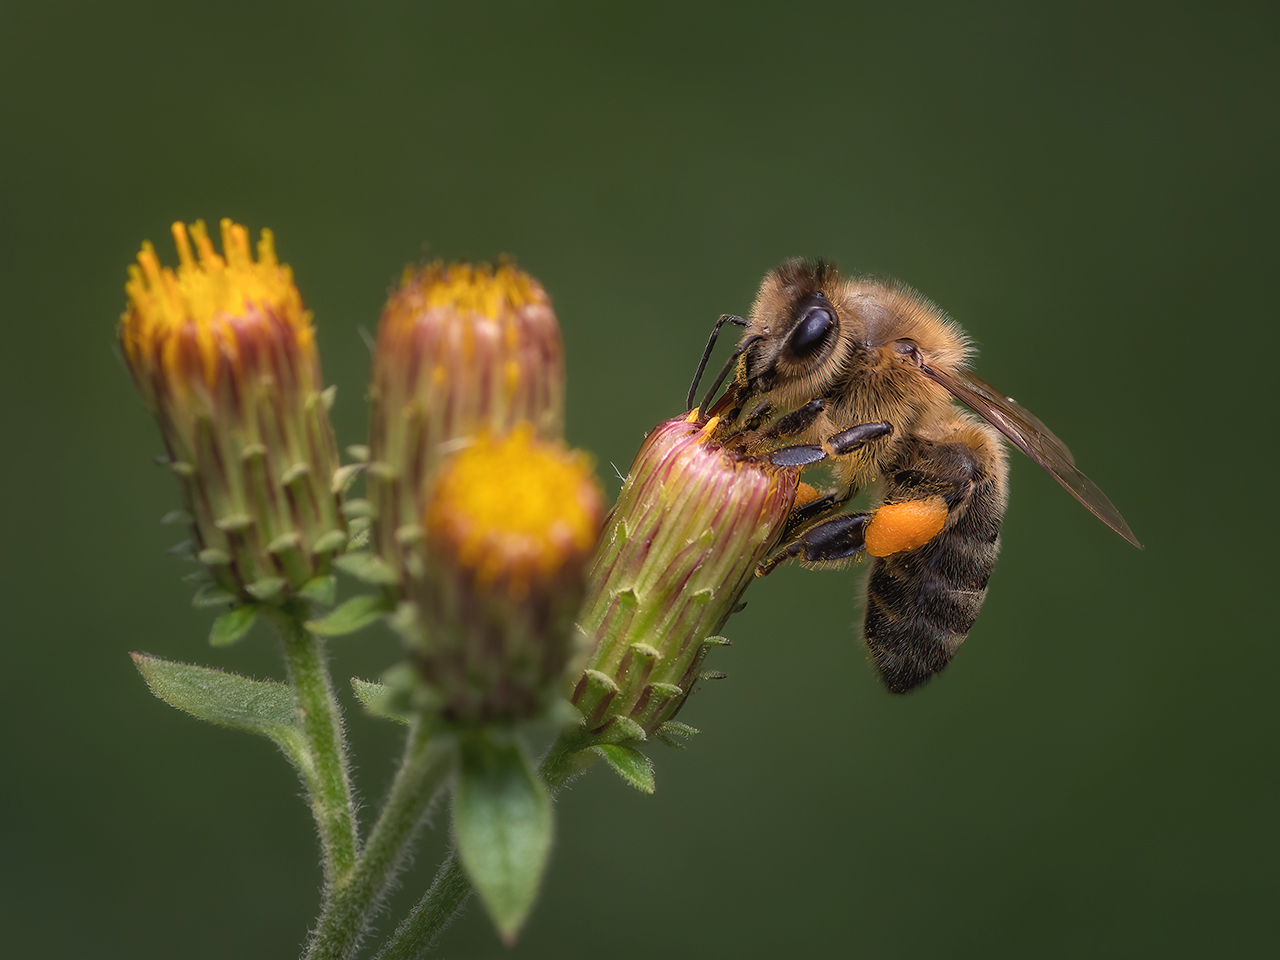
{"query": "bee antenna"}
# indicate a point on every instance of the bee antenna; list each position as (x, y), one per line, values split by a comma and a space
(738, 351)
(706, 355)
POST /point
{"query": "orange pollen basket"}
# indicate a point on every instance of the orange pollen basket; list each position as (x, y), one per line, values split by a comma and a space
(904, 526)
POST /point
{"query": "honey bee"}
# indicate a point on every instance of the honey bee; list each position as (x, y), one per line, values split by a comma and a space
(864, 374)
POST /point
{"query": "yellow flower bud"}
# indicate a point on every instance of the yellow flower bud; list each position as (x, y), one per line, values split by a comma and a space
(224, 355)
(462, 350)
(510, 525)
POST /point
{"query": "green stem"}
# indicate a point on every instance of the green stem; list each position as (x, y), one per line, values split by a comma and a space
(350, 909)
(328, 779)
(448, 893)
(443, 901)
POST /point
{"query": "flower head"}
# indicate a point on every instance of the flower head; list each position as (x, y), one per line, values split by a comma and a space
(224, 355)
(462, 350)
(692, 523)
(510, 525)
(514, 512)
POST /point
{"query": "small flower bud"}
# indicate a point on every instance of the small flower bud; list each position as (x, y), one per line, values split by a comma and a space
(691, 524)
(510, 525)
(224, 355)
(461, 350)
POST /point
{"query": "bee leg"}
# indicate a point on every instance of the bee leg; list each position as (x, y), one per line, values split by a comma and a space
(706, 355)
(787, 426)
(797, 421)
(845, 442)
(732, 362)
(815, 510)
(832, 540)
(908, 485)
(855, 438)
(755, 417)
(842, 443)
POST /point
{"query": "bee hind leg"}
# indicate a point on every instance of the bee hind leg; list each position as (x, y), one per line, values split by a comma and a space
(830, 542)
(813, 511)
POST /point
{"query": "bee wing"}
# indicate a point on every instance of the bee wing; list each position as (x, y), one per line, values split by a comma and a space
(1025, 431)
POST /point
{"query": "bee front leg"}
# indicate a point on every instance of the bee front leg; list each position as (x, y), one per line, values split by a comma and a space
(797, 421)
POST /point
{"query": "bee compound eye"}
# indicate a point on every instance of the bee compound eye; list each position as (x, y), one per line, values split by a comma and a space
(812, 330)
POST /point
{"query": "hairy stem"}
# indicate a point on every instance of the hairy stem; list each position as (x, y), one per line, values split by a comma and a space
(348, 912)
(328, 779)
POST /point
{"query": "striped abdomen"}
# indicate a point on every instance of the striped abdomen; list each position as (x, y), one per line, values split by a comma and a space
(921, 603)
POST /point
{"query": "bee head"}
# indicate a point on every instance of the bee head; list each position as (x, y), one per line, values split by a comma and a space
(797, 329)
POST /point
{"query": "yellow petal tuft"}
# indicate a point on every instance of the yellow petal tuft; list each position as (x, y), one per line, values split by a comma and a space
(515, 510)
(479, 288)
(203, 299)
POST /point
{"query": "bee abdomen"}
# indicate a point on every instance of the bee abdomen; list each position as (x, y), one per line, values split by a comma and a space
(922, 603)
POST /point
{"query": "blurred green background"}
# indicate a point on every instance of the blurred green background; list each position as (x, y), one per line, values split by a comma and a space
(1088, 187)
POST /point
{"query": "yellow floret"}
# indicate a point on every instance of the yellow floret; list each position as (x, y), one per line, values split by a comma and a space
(205, 294)
(515, 509)
(479, 288)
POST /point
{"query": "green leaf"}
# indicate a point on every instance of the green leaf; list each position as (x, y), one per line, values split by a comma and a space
(365, 566)
(210, 556)
(295, 475)
(378, 699)
(630, 764)
(343, 477)
(320, 589)
(357, 507)
(503, 825)
(233, 625)
(621, 729)
(186, 549)
(211, 595)
(264, 707)
(268, 588)
(331, 542)
(672, 729)
(234, 522)
(351, 616)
